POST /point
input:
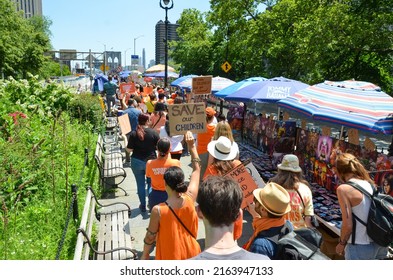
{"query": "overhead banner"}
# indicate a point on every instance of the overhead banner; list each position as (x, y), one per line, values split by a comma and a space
(184, 117)
(202, 85)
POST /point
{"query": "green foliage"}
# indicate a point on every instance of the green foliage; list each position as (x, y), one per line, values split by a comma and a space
(305, 40)
(41, 155)
(23, 42)
(86, 108)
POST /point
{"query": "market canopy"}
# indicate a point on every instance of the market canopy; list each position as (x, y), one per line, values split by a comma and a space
(354, 104)
(159, 68)
(234, 87)
(270, 90)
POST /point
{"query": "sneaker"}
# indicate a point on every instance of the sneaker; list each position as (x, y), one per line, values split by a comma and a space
(142, 208)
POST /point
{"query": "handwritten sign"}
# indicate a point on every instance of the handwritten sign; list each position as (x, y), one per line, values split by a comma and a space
(247, 184)
(353, 136)
(127, 87)
(369, 145)
(202, 85)
(124, 123)
(326, 131)
(184, 117)
(304, 124)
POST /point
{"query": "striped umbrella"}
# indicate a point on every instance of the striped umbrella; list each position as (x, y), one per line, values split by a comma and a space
(354, 104)
(234, 87)
(270, 90)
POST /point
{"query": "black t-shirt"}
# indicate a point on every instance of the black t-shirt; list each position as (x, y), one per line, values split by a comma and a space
(146, 149)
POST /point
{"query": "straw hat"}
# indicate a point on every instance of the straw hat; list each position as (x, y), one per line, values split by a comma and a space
(274, 198)
(290, 163)
(222, 149)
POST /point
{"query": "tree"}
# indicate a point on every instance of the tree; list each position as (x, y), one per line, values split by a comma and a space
(194, 50)
(22, 42)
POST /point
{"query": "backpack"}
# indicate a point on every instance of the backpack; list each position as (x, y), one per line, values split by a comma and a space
(379, 223)
(299, 244)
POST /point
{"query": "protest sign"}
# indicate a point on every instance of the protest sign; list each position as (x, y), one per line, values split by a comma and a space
(248, 179)
(202, 84)
(184, 117)
(124, 123)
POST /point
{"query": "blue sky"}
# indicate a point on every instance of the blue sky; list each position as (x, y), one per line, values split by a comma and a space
(91, 24)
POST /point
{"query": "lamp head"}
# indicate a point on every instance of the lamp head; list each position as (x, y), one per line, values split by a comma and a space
(166, 2)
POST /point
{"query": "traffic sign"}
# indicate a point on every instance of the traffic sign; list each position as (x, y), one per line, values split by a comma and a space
(226, 66)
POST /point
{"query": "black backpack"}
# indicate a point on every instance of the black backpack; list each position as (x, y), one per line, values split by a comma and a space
(379, 223)
(299, 244)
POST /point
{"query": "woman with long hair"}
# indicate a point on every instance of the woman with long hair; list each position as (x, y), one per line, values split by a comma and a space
(142, 143)
(155, 169)
(354, 242)
(173, 225)
(290, 176)
(158, 117)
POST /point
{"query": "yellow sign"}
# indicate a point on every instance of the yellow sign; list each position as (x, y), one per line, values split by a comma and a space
(226, 66)
(102, 67)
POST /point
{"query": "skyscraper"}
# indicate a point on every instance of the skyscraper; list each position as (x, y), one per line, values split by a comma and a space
(160, 39)
(30, 7)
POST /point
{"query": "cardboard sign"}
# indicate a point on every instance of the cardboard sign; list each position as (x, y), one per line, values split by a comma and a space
(326, 131)
(202, 85)
(353, 136)
(124, 123)
(304, 124)
(246, 182)
(127, 87)
(369, 145)
(147, 90)
(184, 117)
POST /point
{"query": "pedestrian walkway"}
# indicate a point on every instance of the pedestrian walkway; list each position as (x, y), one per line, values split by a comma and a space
(139, 221)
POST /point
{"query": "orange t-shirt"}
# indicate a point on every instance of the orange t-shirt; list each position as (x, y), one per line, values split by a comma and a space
(155, 170)
(238, 226)
(173, 241)
(156, 121)
(205, 138)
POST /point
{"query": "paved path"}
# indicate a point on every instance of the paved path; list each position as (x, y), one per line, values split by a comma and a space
(139, 221)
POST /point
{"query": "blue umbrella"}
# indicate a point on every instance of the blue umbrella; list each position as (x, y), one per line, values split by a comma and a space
(271, 90)
(176, 82)
(232, 88)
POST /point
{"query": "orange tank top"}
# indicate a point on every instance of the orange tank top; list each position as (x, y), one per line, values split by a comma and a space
(173, 241)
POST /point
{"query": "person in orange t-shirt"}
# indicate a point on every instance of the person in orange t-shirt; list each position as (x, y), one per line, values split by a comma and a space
(155, 170)
(224, 154)
(175, 240)
(204, 138)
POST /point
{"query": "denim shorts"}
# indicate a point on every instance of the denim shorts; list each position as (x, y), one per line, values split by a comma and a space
(370, 251)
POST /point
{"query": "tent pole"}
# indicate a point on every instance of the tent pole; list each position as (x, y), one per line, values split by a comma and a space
(341, 132)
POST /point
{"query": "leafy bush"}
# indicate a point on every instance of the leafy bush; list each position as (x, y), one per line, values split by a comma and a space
(41, 155)
(86, 107)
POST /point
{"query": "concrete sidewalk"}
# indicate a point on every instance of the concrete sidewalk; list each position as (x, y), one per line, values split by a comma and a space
(139, 221)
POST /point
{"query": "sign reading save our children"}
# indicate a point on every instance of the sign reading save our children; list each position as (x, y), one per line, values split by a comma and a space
(248, 179)
(184, 117)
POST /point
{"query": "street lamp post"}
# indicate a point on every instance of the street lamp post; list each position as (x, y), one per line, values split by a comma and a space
(168, 4)
(125, 57)
(104, 55)
(135, 43)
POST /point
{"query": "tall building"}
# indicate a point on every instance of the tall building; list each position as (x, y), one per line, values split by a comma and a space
(30, 7)
(160, 39)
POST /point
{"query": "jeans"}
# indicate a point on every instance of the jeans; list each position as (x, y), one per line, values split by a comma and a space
(156, 197)
(370, 251)
(110, 101)
(138, 167)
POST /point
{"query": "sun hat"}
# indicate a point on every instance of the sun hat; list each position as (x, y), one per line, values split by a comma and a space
(274, 198)
(222, 149)
(210, 112)
(290, 163)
